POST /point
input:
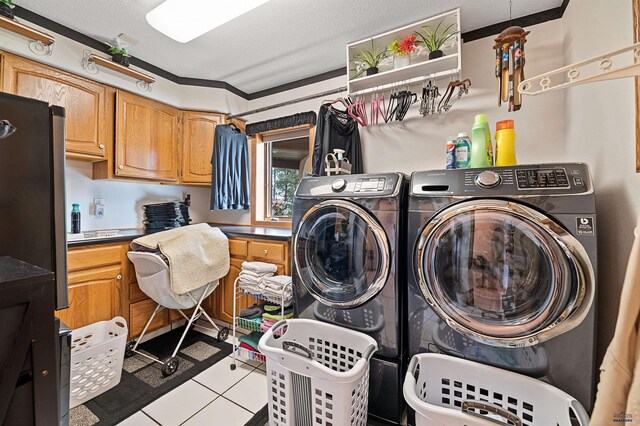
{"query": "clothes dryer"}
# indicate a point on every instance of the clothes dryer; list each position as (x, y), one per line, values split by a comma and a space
(349, 269)
(502, 268)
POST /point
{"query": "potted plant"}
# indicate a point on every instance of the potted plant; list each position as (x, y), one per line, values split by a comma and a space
(6, 8)
(402, 50)
(433, 40)
(119, 55)
(369, 60)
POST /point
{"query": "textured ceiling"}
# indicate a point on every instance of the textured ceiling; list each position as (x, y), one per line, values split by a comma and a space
(277, 43)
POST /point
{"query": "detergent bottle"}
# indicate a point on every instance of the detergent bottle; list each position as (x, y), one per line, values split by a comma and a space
(505, 143)
(481, 147)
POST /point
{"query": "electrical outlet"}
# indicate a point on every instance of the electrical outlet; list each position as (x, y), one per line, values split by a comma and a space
(98, 206)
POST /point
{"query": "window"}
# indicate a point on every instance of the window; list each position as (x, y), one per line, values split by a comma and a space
(281, 159)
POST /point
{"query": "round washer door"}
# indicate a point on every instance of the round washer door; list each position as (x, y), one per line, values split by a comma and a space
(341, 254)
(502, 273)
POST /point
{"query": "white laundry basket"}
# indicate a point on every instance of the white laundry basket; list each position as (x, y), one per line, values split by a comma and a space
(97, 353)
(317, 374)
(449, 391)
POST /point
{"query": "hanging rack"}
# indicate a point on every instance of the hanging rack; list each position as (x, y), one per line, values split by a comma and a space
(291, 102)
(579, 73)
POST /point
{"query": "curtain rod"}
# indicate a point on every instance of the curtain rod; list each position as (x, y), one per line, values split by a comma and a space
(293, 101)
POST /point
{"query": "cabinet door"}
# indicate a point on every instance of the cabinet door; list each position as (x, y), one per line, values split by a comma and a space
(94, 295)
(198, 130)
(87, 116)
(146, 138)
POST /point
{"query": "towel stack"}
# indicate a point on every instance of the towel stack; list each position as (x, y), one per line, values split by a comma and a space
(162, 216)
(273, 287)
(252, 276)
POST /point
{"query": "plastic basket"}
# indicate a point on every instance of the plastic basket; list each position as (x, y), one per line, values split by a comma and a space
(449, 391)
(317, 373)
(97, 353)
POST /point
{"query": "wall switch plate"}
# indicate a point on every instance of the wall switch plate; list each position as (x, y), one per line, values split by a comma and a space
(98, 206)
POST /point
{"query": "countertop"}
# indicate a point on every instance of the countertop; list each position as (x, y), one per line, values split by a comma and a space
(262, 232)
(13, 270)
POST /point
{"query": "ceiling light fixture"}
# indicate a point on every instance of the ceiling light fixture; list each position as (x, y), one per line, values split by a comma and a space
(184, 20)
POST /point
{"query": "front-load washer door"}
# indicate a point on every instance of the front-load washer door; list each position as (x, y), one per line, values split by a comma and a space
(502, 273)
(341, 254)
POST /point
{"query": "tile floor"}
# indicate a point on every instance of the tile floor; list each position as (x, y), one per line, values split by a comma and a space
(217, 396)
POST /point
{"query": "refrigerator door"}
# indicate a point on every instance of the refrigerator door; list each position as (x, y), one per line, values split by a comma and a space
(32, 210)
(58, 161)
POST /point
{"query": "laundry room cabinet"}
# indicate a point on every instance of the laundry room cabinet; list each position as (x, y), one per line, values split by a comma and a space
(95, 285)
(88, 105)
(147, 138)
(198, 130)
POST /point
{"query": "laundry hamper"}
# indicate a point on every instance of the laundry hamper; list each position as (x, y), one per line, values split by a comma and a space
(448, 391)
(97, 354)
(317, 374)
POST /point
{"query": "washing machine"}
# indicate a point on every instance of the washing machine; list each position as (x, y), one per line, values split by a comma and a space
(502, 268)
(348, 269)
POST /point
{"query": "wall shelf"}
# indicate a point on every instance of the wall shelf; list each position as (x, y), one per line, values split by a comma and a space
(91, 62)
(42, 43)
(421, 67)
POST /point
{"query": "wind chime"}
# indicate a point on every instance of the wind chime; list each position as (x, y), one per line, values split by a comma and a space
(510, 62)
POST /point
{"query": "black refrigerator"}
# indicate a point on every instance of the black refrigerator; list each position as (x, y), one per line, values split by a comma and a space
(32, 200)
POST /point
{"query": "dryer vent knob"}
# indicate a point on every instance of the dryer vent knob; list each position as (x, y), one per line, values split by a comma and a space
(488, 179)
(338, 184)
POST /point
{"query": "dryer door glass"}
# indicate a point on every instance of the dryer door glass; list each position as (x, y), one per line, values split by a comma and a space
(497, 272)
(341, 254)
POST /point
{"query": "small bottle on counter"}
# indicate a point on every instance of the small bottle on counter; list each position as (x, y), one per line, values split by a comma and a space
(463, 151)
(75, 219)
(451, 153)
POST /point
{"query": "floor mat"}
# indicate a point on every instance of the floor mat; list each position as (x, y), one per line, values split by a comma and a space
(142, 380)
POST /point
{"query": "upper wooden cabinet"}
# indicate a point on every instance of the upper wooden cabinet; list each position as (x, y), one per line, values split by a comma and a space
(88, 105)
(198, 129)
(147, 138)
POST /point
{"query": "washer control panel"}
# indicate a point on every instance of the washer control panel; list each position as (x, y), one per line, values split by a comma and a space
(552, 178)
(370, 184)
(529, 179)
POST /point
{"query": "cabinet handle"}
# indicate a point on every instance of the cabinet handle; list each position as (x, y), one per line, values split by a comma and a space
(119, 277)
(266, 251)
(101, 146)
(121, 167)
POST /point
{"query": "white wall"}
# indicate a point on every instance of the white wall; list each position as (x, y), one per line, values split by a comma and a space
(600, 130)
(124, 200)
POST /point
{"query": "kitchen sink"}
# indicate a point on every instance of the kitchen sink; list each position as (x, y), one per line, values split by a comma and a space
(89, 235)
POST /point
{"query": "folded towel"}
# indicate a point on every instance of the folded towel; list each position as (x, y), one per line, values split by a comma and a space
(259, 267)
(255, 275)
(278, 280)
(197, 255)
(247, 347)
(254, 311)
(277, 317)
(251, 339)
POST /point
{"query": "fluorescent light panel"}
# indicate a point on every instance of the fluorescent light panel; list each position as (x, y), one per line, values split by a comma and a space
(184, 20)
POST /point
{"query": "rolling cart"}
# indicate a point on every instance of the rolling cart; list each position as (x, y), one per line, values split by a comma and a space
(238, 351)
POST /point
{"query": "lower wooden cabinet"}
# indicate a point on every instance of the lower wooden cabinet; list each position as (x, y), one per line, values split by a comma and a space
(102, 284)
(95, 286)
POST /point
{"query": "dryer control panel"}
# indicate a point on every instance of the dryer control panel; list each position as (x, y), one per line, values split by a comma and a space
(543, 179)
(351, 186)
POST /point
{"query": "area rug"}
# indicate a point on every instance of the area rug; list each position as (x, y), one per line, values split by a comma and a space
(142, 380)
